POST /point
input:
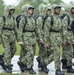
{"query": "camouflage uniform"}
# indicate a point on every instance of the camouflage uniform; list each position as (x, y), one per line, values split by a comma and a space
(56, 38)
(7, 31)
(39, 24)
(47, 56)
(68, 40)
(29, 38)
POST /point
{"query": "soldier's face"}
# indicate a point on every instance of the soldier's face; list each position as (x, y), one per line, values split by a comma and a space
(30, 11)
(57, 11)
(11, 12)
(48, 12)
(72, 11)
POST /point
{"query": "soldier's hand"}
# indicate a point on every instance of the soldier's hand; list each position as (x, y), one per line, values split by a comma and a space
(68, 42)
(41, 41)
(21, 43)
(46, 45)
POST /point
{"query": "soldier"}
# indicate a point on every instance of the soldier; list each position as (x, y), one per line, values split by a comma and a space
(39, 23)
(27, 30)
(56, 37)
(68, 40)
(44, 53)
(8, 33)
(47, 53)
(18, 20)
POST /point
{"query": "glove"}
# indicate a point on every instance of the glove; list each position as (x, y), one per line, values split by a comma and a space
(21, 43)
(41, 41)
(46, 45)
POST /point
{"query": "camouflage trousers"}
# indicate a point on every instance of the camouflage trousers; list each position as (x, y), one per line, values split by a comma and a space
(56, 41)
(9, 49)
(68, 53)
(47, 56)
(68, 47)
(29, 51)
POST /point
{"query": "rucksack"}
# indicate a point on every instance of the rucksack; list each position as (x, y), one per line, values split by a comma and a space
(18, 19)
(52, 20)
(72, 26)
(4, 18)
(36, 16)
(62, 17)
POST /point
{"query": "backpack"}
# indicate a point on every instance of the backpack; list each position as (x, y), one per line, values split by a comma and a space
(52, 20)
(4, 18)
(18, 19)
(72, 26)
(62, 17)
(36, 16)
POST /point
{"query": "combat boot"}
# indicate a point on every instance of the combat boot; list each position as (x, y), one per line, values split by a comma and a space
(44, 67)
(59, 72)
(22, 66)
(10, 66)
(70, 69)
(7, 69)
(1, 57)
(38, 60)
(31, 71)
(2, 64)
(64, 63)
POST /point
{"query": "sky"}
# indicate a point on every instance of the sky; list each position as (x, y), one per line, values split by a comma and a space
(67, 1)
(16, 2)
(11, 2)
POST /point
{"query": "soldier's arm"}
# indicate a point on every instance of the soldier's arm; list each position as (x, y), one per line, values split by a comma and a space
(47, 27)
(15, 28)
(20, 30)
(39, 24)
(1, 27)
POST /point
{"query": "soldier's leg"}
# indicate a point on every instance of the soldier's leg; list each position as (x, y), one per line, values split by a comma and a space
(69, 56)
(40, 53)
(22, 62)
(13, 48)
(57, 56)
(64, 58)
(28, 58)
(7, 56)
(22, 54)
(50, 56)
(46, 59)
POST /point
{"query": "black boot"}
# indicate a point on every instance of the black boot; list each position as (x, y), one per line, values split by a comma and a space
(10, 66)
(64, 63)
(31, 71)
(44, 67)
(1, 57)
(59, 72)
(2, 64)
(38, 60)
(22, 66)
(7, 69)
(70, 69)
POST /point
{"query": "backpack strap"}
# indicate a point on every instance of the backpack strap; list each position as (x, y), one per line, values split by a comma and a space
(25, 21)
(52, 20)
(18, 19)
(62, 17)
(4, 18)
